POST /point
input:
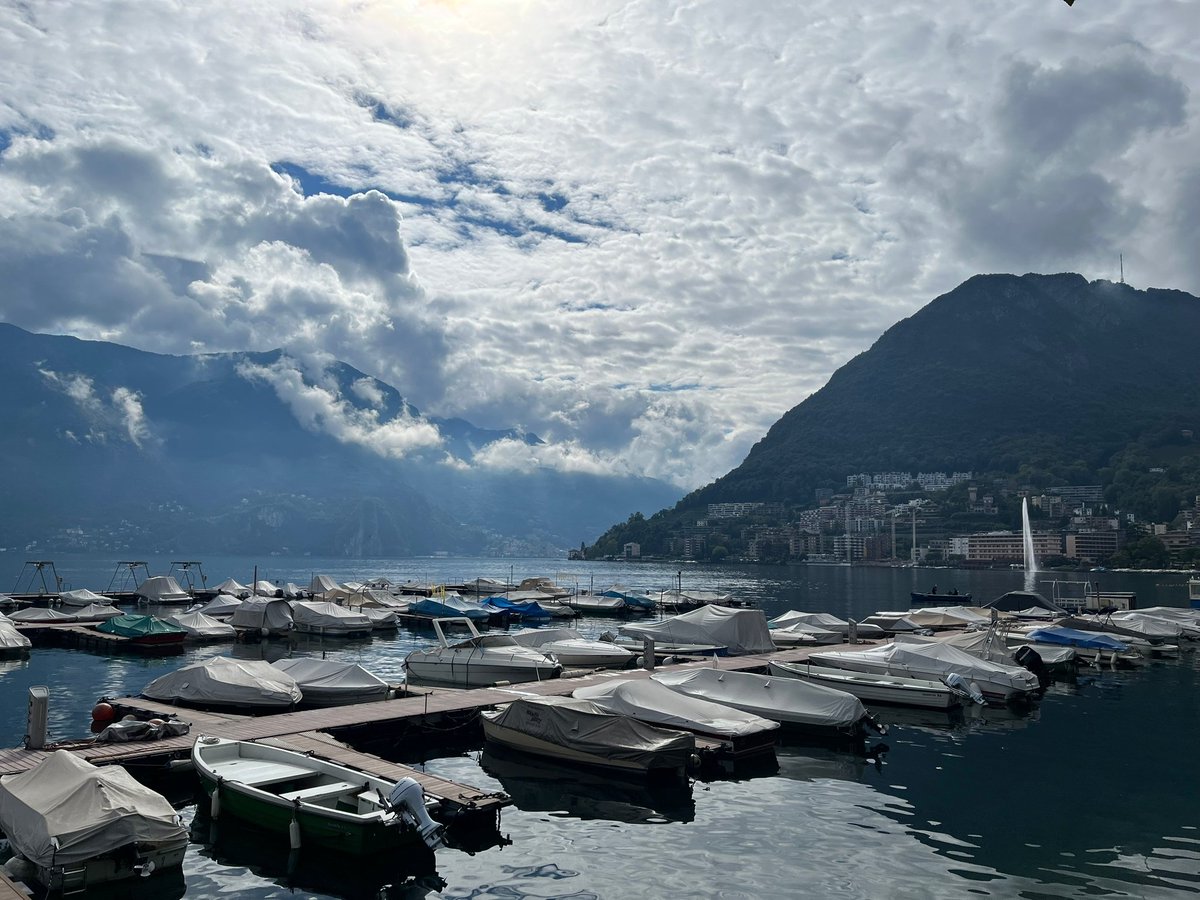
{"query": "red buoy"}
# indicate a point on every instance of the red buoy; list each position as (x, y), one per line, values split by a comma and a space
(102, 712)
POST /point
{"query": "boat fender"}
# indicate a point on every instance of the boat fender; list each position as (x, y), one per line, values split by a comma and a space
(214, 803)
(294, 830)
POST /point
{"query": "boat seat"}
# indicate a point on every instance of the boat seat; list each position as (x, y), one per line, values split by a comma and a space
(257, 772)
(321, 791)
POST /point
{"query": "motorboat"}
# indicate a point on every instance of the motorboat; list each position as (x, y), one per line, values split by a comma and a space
(162, 590)
(596, 604)
(200, 627)
(892, 689)
(450, 606)
(635, 601)
(789, 701)
(933, 598)
(263, 588)
(479, 660)
(939, 617)
(526, 611)
(221, 606)
(234, 588)
(12, 642)
(1092, 647)
(892, 623)
(801, 635)
(1020, 603)
(824, 621)
(328, 619)
(41, 615)
(79, 825)
(148, 632)
(741, 631)
(321, 584)
(932, 661)
(314, 801)
(96, 612)
(328, 682)
(645, 699)
(263, 617)
(572, 649)
(486, 587)
(578, 731)
(226, 683)
(381, 618)
(81, 597)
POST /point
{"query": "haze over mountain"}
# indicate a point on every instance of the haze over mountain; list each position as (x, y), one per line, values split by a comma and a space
(1051, 375)
(110, 447)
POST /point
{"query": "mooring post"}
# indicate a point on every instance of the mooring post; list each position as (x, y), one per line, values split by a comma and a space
(648, 654)
(39, 703)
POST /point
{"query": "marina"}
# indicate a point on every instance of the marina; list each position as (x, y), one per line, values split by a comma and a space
(427, 736)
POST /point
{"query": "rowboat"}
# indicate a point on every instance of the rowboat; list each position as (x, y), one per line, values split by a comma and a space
(313, 801)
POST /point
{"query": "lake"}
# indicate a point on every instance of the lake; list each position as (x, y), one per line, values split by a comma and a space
(1092, 792)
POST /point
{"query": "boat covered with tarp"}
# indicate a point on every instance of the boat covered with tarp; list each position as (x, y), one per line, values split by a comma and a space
(572, 649)
(78, 824)
(528, 610)
(220, 606)
(81, 597)
(41, 615)
(12, 642)
(937, 617)
(234, 587)
(320, 584)
(143, 630)
(328, 619)
(163, 590)
(579, 731)
(450, 606)
(1073, 637)
(224, 682)
(788, 701)
(740, 631)
(996, 681)
(200, 627)
(97, 612)
(330, 682)
(1020, 602)
(819, 621)
(264, 616)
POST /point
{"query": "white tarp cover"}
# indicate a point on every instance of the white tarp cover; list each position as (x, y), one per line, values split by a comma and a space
(322, 583)
(740, 630)
(948, 616)
(293, 591)
(1113, 625)
(1147, 626)
(97, 612)
(989, 645)
(788, 700)
(220, 605)
(380, 618)
(198, 625)
(536, 637)
(322, 614)
(86, 810)
(891, 621)
(932, 660)
(230, 586)
(328, 679)
(263, 612)
(267, 589)
(582, 725)
(11, 639)
(821, 620)
(381, 600)
(82, 597)
(226, 681)
(40, 614)
(1176, 613)
(650, 701)
(162, 589)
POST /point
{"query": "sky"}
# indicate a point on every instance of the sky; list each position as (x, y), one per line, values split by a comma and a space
(642, 230)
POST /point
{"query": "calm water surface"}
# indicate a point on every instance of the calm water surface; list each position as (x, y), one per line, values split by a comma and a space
(1092, 793)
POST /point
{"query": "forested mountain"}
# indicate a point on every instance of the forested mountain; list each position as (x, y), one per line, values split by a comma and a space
(107, 447)
(1047, 378)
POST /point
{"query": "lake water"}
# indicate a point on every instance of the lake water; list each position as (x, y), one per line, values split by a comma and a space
(1093, 792)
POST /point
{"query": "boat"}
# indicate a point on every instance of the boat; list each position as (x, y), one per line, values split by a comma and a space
(526, 610)
(1022, 603)
(1194, 592)
(824, 621)
(578, 731)
(574, 650)
(997, 682)
(740, 631)
(96, 612)
(200, 627)
(801, 635)
(234, 588)
(79, 825)
(596, 604)
(486, 587)
(12, 642)
(791, 702)
(41, 615)
(1093, 647)
(263, 617)
(450, 606)
(144, 631)
(82, 597)
(892, 622)
(743, 733)
(893, 689)
(329, 620)
(328, 682)
(221, 606)
(222, 682)
(316, 802)
(941, 617)
(264, 588)
(636, 601)
(479, 660)
(381, 618)
(162, 590)
(321, 584)
(933, 598)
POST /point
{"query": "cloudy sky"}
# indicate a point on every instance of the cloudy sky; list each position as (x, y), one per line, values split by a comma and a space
(641, 229)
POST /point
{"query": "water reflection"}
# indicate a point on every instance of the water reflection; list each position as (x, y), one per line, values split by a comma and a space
(541, 785)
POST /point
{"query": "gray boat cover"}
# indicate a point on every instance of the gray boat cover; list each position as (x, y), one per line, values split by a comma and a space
(220, 605)
(11, 639)
(231, 586)
(584, 726)
(330, 680)
(1148, 628)
(650, 701)
(932, 660)
(987, 644)
(322, 583)
(198, 625)
(740, 630)
(323, 614)
(826, 621)
(82, 597)
(380, 618)
(1017, 601)
(227, 682)
(948, 617)
(263, 613)
(66, 811)
(97, 612)
(162, 589)
(535, 637)
(41, 614)
(267, 589)
(787, 700)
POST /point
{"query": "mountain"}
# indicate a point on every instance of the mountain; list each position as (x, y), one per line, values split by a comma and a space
(110, 448)
(1047, 375)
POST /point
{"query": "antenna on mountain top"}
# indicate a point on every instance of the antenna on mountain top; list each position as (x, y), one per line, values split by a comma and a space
(1122, 256)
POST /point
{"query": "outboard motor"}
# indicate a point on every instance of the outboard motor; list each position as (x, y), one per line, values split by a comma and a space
(963, 687)
(1028, 658)
(408, 799)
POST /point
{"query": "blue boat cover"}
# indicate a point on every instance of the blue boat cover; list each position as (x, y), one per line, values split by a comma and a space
(449, 607)
(1071, 637)
(529, 609)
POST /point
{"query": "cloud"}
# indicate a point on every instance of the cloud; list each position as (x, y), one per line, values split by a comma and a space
(121, 411)
(641, 230)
